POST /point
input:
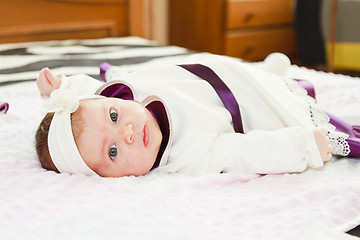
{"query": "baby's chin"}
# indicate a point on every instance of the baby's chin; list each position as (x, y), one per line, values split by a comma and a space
(129, 175)
(137, 173)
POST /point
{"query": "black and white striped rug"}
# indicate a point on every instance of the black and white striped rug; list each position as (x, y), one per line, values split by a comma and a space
(21, 62)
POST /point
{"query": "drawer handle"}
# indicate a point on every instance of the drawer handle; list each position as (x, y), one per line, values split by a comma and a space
(249, 49)
(248, 17)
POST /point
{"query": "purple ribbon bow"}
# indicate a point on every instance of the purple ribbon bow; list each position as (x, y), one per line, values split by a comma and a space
(4, 107)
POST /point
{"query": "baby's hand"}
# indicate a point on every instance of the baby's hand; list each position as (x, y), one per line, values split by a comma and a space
(323, 144)
(47, 82)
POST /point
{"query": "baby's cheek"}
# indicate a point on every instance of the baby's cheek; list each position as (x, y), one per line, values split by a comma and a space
(105, 169)
(136, 167)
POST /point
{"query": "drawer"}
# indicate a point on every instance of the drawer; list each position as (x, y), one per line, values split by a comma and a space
(255, 45)
(253, 13)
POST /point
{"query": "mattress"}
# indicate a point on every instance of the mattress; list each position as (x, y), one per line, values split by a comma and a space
(38, 204)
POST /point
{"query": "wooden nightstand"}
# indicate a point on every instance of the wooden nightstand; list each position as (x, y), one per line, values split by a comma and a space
(249, 29)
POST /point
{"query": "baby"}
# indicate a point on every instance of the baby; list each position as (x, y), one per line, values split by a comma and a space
(211, 115)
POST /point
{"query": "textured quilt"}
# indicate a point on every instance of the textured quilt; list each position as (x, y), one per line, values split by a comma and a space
(38, 204)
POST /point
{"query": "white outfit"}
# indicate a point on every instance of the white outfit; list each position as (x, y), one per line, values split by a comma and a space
(277, 123)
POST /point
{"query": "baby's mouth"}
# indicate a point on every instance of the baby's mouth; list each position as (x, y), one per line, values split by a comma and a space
(146, 135)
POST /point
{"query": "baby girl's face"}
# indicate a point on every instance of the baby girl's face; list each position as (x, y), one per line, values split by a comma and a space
(119, 137)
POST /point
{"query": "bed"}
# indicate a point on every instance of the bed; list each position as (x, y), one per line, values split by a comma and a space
(39, 204)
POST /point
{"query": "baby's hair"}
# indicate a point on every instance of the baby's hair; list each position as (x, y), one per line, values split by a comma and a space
(41, 143)
(41, 138)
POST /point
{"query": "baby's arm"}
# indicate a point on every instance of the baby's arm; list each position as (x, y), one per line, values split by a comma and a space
(292, 149)
(81, 83)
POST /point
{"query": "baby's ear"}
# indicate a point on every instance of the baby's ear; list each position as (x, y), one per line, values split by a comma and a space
(277, 63)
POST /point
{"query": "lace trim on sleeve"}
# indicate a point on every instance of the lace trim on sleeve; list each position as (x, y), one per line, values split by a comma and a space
(320, 119)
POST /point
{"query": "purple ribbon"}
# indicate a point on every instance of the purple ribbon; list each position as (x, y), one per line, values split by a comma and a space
(103, 68)
(340, 124)
(4, 107)
(308, 86)
(225, 94)
(158, 110)
(118, 90)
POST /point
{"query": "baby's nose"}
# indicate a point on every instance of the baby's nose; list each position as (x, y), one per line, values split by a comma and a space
(128, 133)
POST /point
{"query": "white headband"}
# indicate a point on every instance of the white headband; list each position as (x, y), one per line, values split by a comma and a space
(62, 148)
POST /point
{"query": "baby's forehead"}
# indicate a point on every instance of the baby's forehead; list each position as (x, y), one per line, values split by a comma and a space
(89, 115)
(89, 127)
(91, 105)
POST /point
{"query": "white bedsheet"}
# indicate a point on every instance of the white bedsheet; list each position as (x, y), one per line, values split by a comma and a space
(38, 204)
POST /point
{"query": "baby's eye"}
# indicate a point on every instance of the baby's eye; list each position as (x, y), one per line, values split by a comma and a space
(113, 115)
(112, 151)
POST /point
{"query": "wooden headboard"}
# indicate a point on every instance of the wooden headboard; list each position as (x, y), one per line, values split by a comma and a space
(37, 20)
